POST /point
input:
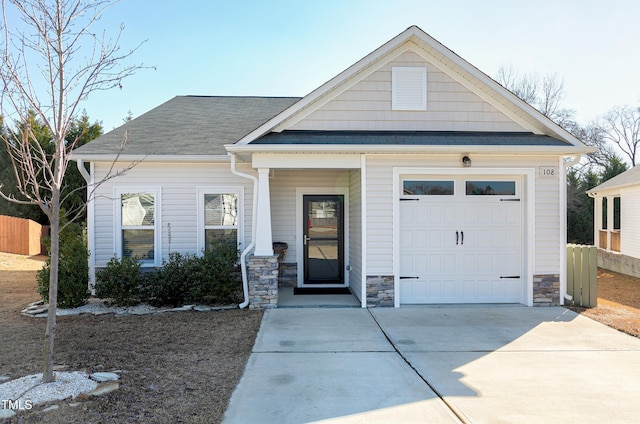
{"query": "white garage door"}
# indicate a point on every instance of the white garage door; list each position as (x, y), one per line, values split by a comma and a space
(461, 241)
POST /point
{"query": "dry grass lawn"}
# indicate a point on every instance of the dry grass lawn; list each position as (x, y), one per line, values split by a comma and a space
(175, 367)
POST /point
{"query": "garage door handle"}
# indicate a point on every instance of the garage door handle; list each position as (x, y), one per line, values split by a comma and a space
(456, 238)
(509, 276)
(409, 278)
(462, 237)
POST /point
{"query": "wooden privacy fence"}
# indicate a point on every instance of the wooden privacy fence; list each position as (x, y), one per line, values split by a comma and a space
(582, 273)
(21, 236)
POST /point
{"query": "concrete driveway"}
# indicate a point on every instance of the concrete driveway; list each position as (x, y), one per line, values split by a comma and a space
(483, 364)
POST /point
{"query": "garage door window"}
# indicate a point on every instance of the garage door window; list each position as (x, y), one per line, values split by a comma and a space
(490, 188)
(428, 188)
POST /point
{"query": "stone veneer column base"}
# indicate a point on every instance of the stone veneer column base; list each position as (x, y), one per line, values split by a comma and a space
(288, 274)
(380, 291)
(546, 290)
(262, 275)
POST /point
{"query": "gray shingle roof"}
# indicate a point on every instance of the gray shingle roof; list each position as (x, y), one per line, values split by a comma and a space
(628, 177)
(190, 125)
(413, 138)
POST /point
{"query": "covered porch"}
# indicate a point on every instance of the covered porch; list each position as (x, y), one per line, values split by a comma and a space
(316, 213)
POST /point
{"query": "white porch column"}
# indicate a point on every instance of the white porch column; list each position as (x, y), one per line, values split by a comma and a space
(609, 220)
(264, 240)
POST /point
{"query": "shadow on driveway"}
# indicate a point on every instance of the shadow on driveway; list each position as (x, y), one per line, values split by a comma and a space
(437, 364)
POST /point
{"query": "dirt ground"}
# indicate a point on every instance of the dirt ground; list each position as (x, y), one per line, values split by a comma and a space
(177, 367)
(618, 302)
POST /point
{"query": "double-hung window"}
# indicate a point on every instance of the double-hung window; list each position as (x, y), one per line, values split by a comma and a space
(138, 224)
(219, 215)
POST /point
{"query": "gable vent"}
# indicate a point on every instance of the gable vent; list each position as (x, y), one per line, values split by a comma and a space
(409, 88)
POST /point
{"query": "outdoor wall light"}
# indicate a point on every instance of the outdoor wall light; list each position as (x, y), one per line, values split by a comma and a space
(466, 161)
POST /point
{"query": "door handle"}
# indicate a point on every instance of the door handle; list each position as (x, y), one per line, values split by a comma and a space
(456, 238)
(306, 239)
(462, 237)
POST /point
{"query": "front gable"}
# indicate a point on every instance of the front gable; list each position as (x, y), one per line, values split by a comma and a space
(368, 105)
(458, 98)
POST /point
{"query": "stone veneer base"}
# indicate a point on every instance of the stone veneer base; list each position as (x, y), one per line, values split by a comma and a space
(262, 276)
(546, 290)
(288, 274)
(380, 291)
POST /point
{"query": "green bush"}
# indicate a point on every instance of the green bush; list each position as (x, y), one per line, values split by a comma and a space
(211, 279)
(215, 277)
(121, 281)
(73, 270)
(169, 286)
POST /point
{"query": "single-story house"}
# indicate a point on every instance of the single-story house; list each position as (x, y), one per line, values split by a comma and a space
(616, 222)
(410, 178)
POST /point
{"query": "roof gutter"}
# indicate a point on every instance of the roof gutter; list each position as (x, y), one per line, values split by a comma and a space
(113, 157)
(245, 252)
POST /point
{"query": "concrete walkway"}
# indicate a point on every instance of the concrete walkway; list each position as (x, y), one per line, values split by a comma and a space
(437, 365)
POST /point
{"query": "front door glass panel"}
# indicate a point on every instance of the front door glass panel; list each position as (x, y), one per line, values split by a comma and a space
(323, 239)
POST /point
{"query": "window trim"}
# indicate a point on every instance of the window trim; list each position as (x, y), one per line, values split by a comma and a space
(157, 219)
(201, 192)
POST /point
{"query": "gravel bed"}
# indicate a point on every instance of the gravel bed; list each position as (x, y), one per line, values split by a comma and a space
(30, 390)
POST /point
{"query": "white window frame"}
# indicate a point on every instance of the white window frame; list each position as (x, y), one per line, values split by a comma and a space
(157, 220)
(402, 81)
(202, 191)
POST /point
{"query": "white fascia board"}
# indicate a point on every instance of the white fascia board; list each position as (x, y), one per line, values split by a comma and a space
(304, 161)
(358, 149)
(152, 158)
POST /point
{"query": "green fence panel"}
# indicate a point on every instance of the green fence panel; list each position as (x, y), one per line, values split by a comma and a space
(582, 273)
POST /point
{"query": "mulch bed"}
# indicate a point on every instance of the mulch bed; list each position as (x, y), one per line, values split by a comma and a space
(175, 367)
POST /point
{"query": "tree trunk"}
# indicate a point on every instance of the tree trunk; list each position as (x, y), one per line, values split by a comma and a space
(49, 337)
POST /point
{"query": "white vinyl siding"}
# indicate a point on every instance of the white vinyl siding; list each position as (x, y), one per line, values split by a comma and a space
(630, 222)
(379, 205)
(179, 207)
(354, 258)
(368, 106)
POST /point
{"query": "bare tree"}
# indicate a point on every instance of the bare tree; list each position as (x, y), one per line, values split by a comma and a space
(622, 124)
(545, 94)
(51, 62)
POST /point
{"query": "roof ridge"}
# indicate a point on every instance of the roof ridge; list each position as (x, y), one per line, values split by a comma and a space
(237, 97)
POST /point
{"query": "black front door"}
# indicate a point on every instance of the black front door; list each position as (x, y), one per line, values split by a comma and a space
(323, 239)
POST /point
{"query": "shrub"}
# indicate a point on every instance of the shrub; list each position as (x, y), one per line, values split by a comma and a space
(215, 276)
(211, 279)
(73, 270)
(121, 281)
(184, 278)
(169, 286)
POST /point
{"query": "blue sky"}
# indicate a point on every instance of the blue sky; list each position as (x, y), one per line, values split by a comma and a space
(289, 48)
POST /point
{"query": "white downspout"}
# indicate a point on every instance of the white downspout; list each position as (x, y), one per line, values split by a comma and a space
(92, 265)
(245, 252)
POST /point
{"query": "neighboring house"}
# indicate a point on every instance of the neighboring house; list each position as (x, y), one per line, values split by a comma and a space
(617, 222)
(411, 178)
